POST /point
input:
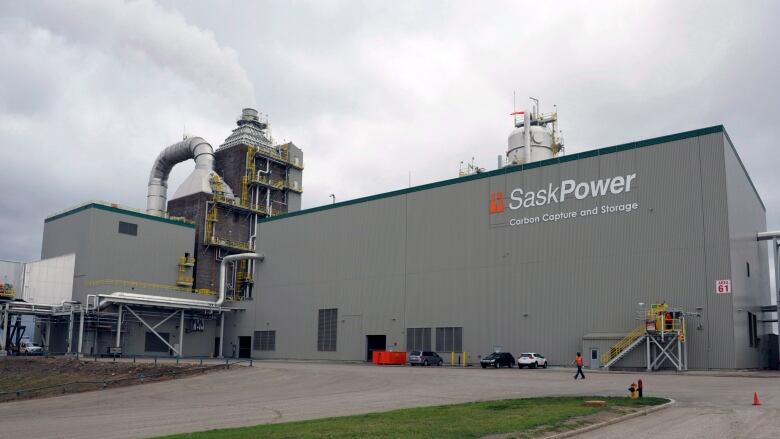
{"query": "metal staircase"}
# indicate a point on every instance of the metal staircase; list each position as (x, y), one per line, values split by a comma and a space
(663, 333)
(624, 346)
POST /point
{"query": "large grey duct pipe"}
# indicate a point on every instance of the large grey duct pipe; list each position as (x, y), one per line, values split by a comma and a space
(223, 268)
(191, 148)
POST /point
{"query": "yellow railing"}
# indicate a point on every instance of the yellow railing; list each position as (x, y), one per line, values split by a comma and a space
(264, 180)
(624, 343)
(283, 156)
(276, 184)
(147, 285)
(227, 201)
(229, 243)
(7, 292)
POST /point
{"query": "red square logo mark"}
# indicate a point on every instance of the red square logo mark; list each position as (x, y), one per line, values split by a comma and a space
(496, 202)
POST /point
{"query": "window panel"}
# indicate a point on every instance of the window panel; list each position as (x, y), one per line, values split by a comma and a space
(449, 339)
(326, 329)
(265, 341)
(128, 228)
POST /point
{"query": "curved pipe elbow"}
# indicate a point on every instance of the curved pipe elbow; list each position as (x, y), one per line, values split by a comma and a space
(191, 148)
(223, 269)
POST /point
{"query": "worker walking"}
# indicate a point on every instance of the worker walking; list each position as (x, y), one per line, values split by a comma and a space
(578, 362)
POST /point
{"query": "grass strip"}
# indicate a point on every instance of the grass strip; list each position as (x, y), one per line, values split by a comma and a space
(470, 420)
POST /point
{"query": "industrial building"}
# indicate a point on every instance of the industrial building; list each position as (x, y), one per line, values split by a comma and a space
(549, 253)
(553, 256)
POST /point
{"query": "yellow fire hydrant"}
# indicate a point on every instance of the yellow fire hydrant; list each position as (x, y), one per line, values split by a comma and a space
(633, 391)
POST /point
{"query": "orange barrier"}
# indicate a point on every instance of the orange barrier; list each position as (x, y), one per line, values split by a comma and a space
(385, 357)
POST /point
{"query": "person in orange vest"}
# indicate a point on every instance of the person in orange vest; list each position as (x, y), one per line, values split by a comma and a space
(578, 362)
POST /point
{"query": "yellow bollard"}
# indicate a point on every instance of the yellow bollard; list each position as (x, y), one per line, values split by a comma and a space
(465, 357)
(452, 358)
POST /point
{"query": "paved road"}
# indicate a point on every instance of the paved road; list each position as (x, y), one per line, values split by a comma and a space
(708, 406)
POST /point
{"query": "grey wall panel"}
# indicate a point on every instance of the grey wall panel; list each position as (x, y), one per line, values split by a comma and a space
(746, 217)
(718, 311)
(103, 253)
(363, 277)
(438, 258)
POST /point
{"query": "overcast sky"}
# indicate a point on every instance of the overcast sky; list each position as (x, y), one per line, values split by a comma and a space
(91, 91)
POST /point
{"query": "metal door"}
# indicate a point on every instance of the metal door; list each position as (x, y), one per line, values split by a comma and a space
(594, 358)
(244, 347)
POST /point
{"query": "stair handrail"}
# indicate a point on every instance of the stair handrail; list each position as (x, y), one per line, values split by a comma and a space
(623, 344)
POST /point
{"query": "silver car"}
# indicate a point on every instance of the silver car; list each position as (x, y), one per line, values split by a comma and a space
(425, 358)
(27, 347)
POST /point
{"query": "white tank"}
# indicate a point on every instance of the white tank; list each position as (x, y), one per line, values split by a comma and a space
(541, 145)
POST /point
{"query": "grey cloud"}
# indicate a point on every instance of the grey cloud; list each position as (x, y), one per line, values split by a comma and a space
(90, 93)
(374, 90)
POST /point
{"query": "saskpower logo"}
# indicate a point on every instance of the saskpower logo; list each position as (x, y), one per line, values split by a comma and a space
(496, 202)
(567, 189)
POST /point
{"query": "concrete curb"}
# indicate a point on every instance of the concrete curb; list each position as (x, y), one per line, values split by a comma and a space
(592, 427)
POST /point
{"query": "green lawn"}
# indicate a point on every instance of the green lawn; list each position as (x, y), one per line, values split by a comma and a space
(471, 420)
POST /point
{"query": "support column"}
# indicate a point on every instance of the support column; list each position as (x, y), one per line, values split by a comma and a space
(647, 350)
(221, 332)
(776, 243)
(70, 332)
(679, 353)
(95, 346)
(48, 334)
(81, 331)
(181, 334)
(5, 330)
(119, 326)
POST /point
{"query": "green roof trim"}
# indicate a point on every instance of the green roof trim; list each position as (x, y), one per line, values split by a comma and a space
(120, 211)
(517, 168)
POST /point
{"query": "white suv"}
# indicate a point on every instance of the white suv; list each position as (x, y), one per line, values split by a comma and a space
(27, 347)
(532, 360)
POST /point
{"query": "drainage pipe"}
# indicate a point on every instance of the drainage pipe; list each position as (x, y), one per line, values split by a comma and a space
(191, 148)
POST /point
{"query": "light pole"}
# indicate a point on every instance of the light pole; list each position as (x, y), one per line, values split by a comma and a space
(334, 198)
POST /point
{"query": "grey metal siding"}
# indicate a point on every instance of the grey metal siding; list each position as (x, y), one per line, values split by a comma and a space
(715, 253)
(436, 258)
(746, 217)
(363, 277)
(104, 253)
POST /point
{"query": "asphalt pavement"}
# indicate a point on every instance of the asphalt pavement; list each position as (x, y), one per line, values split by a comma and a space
(708, 405)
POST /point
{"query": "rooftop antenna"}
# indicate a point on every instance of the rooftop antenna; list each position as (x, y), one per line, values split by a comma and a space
(536, 107)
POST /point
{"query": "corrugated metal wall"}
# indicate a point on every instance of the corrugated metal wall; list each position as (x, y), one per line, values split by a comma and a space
(436, 258)
(746, 217)
(103, 253)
